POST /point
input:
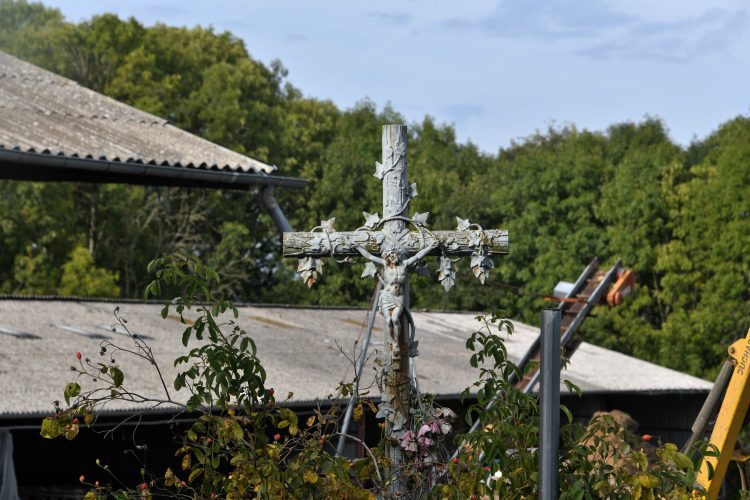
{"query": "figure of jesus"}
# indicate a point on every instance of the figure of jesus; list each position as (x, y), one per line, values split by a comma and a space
(393, 280)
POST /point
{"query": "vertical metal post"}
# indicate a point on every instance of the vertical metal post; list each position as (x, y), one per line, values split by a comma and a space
(358, 372)
(396, 384)
(549, 395)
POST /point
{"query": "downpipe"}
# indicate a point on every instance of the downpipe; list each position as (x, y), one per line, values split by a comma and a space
(266, 196)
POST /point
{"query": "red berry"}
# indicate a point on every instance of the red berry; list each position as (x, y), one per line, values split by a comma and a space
(144, 486)
(208, 440)
(78, 355)
(469, 459)
(398, 493)
(646, 437)
(277, 437)
(270, 404)
(75, 420)
(320, 442)
(57, 415)
(81, 478)
(183, 483)
(96, 483)
(455, 460)
(351, 464)
(270, 391)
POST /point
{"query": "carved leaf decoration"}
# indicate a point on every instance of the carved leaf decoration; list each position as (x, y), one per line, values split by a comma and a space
(446, 273)
(372, 219)
(328, 225)
(463, 224)
(422, 269)
(399, 150)
(420, 219)
(385, 411)
(379, 170)
(481, 263)
(475, 238)
(413, 191)
(370, 270)
(309, 269)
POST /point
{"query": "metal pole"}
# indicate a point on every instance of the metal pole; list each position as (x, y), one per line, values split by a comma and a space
(358, 373)
(549, 396)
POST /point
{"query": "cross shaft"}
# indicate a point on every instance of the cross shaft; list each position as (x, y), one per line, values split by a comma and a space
(396, 243)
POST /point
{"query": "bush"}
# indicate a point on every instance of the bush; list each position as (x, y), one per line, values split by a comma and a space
(227, 386)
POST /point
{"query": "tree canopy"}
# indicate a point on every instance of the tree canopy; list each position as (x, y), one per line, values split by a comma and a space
(677, 216)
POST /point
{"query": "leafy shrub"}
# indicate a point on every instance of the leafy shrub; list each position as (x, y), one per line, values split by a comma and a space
(238, 413)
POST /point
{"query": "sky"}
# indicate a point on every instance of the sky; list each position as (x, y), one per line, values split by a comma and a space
(498, 70)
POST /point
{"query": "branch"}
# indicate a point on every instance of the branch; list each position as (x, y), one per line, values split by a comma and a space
(374, 460)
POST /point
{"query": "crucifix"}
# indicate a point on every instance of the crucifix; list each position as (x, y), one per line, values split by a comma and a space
(398, 244)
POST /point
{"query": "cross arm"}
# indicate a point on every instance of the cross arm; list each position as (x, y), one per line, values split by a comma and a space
(345, 243)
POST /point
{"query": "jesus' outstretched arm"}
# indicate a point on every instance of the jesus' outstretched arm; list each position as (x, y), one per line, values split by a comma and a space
(367, 255)
(423, 253)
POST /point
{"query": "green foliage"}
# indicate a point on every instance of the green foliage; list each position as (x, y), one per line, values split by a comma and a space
(598, 461)
(678, 218)
(81, 277)
(227, 451)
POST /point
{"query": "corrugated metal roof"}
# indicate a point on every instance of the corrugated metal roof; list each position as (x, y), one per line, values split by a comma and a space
(45, 113)
(297, 346)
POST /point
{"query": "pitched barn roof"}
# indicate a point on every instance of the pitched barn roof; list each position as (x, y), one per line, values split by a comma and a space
(50, 121)
(298, 346)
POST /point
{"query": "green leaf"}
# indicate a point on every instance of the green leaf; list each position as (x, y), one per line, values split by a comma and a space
(50, 428)
(191, 290)
(186, 335)
(117, 376)
(71, 390)
(267, 470)
(568, 413)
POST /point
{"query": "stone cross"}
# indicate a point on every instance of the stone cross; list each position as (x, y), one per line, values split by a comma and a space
(398, 243)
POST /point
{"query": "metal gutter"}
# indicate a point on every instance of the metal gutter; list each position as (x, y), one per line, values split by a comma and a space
(136, 171)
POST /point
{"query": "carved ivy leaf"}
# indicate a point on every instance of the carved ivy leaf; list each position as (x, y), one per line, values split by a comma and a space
(372, 219)
(481, 263)
(463, 224)
(420, 219)
(309, 269)
(475, 238)
(385, 411)
(446, 273)
(399, 150)
(370, 270)
(413, 191)
(422, 269)
(379, 170)
(327, 225)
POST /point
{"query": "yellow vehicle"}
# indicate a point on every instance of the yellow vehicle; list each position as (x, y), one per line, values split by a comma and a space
(733, 383)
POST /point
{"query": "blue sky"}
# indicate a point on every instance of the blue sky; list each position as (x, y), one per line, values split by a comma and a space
(498, 70)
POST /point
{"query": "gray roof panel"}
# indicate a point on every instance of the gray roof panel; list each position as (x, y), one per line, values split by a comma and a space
(45, 113)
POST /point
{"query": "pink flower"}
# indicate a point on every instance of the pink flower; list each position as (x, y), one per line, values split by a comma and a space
(408, 441)
(424, 430)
